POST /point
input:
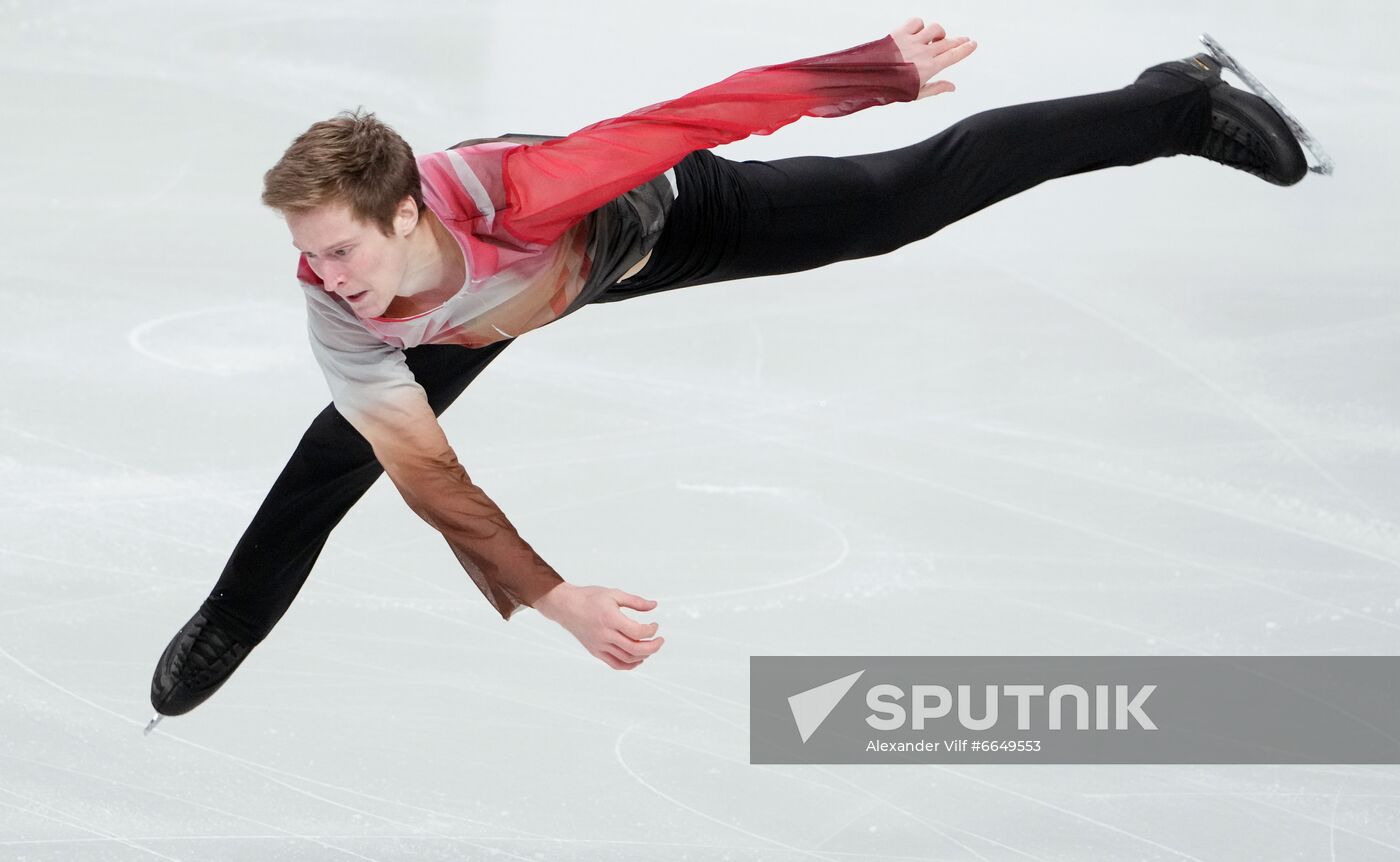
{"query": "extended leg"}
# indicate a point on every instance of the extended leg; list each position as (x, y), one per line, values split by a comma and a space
(743, 219)
(332, 467)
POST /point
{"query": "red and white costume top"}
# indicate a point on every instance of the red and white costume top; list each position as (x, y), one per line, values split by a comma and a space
(525, 217)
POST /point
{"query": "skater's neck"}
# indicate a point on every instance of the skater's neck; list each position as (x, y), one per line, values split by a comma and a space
(434, 271)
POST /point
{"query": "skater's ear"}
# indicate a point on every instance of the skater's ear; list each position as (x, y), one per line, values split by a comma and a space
(406, 216)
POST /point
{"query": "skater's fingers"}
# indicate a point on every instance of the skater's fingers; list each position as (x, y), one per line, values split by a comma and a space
(913, 26)
(636, 603)
(930, 33)
(958, 53)
(961, 48)
(607, 657)
(616, 661)
(636, 650)
(944, 47)
(936, 88)
(931, 60)
(635, 630)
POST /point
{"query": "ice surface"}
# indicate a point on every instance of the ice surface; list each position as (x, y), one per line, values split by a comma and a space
(1142, 411)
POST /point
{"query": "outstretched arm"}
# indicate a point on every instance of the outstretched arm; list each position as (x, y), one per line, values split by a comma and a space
(375, 391)
(550, 186)
(410, 444)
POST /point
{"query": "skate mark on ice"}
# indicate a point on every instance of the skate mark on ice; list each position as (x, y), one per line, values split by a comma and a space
(796, 778)
(282, 833)
(789, 442)
(939, 828)
(1034, 800)
(1138, 488)
(104, 599)
(1264, 803)
(1102, 622)
(683, 418)
(735, 490)
(266, 772)
(273, 854)
(842, 554)
(935, 825)
(1194, 373)
(622, 761)
(760, 347)
(1341, 544)
(74, 822)
(673, 691)
(215, 498)
(96, 567)
(1231, 794)
(1094, 532)
(1083, 562)
(262, 772)
(571, 654)
(1332, 828)
(752, 404)
(100, 708)
(139, 336)
(77, 450)
(786, 441)
(1232, 573)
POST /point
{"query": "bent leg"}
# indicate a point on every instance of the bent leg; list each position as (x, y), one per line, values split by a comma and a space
(332, 467)
(738, 220)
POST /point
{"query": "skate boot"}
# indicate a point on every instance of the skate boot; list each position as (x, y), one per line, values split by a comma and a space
(1322, 163)
(199, 659)
(1245, 132)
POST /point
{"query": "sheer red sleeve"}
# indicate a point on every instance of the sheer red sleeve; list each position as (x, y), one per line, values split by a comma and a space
(552, 185)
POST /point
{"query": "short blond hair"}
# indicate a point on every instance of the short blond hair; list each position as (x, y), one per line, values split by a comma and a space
(353, 159)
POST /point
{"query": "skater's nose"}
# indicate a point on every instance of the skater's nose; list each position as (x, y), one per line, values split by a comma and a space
(335, 277)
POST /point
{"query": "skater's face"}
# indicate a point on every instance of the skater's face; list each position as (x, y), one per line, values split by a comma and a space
(354, 258)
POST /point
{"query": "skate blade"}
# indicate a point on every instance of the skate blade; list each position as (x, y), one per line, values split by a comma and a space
(1324, 164)
(152, 725)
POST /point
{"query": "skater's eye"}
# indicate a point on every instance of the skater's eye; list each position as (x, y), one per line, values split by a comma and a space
(340, 252)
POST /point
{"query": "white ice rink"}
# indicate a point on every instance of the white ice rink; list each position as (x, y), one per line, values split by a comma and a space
(1143, 411)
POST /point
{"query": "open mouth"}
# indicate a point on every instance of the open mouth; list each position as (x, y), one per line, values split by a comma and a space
(358, 296)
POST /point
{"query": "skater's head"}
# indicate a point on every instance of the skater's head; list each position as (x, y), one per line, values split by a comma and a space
(350, 192)
(351, 159)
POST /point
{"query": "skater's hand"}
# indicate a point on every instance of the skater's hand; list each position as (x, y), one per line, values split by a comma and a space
(931, 51)
(594, 616)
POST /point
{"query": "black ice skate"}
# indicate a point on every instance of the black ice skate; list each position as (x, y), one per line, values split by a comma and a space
(199, 659)
(1324, 164)
(1250, 132)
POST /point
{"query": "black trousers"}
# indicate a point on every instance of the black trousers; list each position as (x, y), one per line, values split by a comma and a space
(736, 220)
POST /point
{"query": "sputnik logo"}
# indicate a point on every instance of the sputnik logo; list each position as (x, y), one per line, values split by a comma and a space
(811, 707)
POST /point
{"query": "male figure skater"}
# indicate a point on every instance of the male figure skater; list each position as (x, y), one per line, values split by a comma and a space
(418, 271)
